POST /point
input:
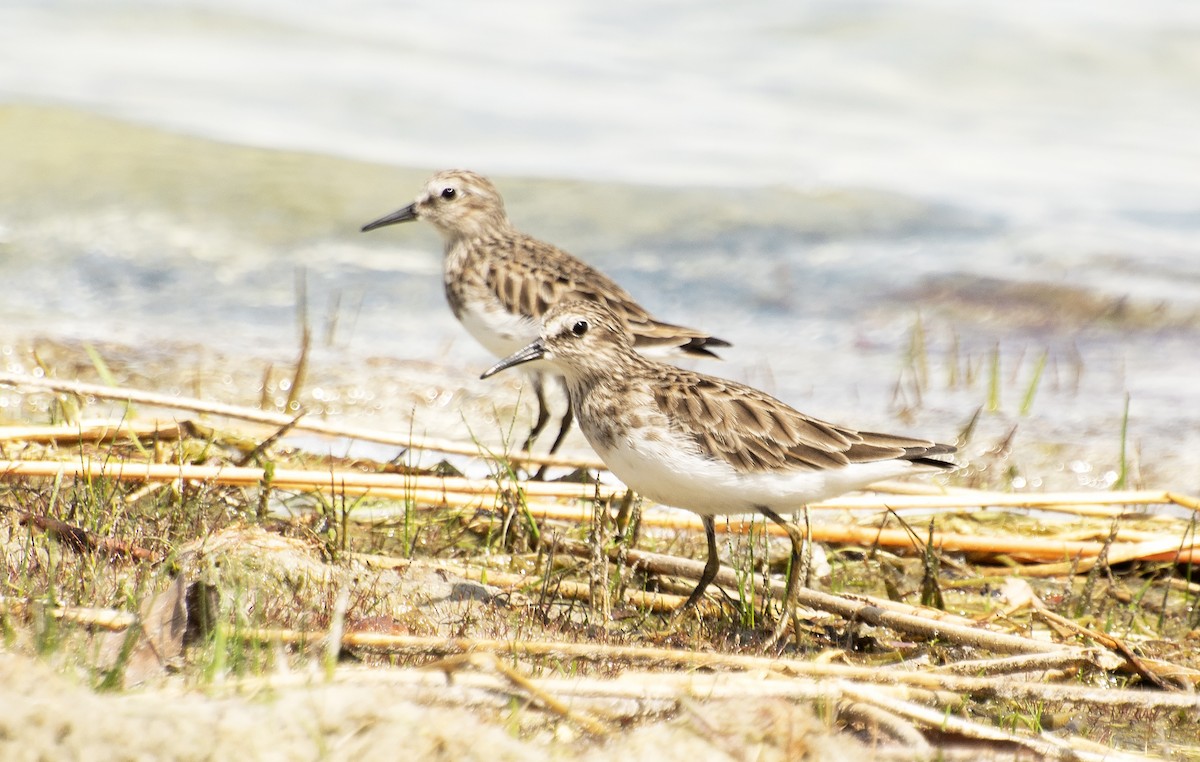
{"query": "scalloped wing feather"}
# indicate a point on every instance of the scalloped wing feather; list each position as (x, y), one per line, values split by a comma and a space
(513, 269)
(755, 432)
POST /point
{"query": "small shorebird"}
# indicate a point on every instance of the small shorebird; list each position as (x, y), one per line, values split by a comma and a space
(500, 282)
(702, 443)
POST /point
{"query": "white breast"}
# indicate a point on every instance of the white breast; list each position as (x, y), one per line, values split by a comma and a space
(500, 332)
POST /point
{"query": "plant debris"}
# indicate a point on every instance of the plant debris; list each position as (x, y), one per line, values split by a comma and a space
(153, 561)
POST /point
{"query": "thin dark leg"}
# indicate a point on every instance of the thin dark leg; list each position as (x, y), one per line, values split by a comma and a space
(564, 426)
(789, 604)
(567, 419)
(543, 415)
(711, 567)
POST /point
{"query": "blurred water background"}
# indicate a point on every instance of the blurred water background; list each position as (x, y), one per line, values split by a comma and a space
(874, 201)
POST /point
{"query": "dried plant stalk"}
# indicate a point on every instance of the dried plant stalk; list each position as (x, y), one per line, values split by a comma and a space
(448, 491)
(255, 415)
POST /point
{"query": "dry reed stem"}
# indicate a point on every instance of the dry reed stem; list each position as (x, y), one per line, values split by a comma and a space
(923, 626)
(443, 491)
(913, 621)
(673, 566)
(628, 698)
(95, 431)
(339, 481)
(359, 480)
(255, 415)
(1048, 746)
(403, 484)
(1166, 549)
(659, 603)
(424, 443)
(1155, 671)
(89, 616)
(633, 695)
(691, 671)
(1171, 549)
(1060, 663)
(490, 661)
(894, 615)
(979, 684)
(906, 733)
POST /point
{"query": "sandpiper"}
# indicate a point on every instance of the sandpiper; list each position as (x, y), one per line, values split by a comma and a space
(703, 443)
(500, 282)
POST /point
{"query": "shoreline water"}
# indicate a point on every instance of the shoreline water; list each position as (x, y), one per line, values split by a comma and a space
(168, 240)
(1072, 112)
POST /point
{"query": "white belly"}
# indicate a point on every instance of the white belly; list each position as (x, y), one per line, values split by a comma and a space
(674, 473)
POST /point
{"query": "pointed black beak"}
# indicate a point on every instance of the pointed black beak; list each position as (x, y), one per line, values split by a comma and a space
(535, 351)
(404, 215)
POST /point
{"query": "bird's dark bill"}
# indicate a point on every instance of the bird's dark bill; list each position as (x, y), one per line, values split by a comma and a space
(534, 351)
(403, 215)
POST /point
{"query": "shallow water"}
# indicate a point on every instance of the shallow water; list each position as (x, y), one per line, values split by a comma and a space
(803, 182)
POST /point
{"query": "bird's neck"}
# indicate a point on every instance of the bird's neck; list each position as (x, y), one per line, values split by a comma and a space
(623, 373)
(486, 228)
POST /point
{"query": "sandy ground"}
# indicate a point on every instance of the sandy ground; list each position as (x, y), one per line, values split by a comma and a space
(293, 712)
(48, 717)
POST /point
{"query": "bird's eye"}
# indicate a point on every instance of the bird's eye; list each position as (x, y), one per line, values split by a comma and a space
(449, 193)
(580, 327)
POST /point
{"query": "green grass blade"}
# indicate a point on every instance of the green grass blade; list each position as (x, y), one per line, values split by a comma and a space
(1031, 391)
(993, 398)
(1123, 474)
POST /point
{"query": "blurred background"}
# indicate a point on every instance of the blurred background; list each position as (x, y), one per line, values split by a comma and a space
(900, 213)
